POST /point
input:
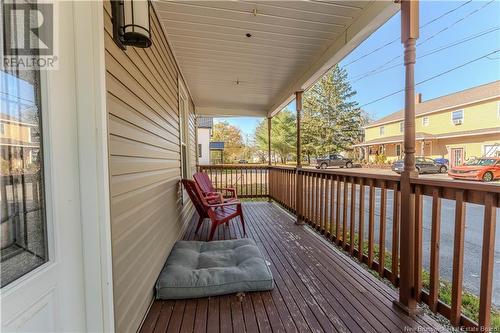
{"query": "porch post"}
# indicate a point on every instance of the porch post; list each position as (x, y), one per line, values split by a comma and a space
(409, 34)
(269, 157)
(298, 178)
(269, 141)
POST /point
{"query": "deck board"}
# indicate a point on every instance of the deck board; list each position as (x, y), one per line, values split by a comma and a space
(317, 288)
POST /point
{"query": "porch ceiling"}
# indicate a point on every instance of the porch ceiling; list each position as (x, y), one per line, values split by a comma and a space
(292, 44)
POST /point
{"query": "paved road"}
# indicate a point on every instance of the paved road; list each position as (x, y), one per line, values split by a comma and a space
(473, 235)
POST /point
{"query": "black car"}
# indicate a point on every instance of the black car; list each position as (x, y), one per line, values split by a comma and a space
(423, 165)
(333, 160)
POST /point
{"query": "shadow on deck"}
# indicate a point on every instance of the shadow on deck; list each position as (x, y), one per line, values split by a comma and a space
(317, 288)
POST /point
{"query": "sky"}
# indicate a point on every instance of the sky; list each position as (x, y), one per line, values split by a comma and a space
(474, 26)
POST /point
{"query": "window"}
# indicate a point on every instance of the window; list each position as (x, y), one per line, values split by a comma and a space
(457, 117)
(382, 130)
(183, 128)
(401, 127)
(199, 150)
(2, 128)
(425, 121)
(398, 150)
(23, 232)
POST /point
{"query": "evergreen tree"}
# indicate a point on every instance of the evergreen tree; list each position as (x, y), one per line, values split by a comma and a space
(332, 121)
(283, 135)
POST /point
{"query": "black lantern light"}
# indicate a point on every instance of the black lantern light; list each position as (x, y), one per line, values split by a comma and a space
(131, 23)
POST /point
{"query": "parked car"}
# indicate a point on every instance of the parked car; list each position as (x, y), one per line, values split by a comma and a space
(242, 162)
(486, 169)
(442, 161)
(336, 160)
(422, 164)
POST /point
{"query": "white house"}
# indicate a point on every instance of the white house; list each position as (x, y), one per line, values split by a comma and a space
(204, 133)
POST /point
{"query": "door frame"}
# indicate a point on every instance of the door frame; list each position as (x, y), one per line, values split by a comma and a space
(74, 145)
(452, 155)
(90, 71)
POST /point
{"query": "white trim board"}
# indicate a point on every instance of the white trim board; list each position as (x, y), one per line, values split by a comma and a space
(93, 164)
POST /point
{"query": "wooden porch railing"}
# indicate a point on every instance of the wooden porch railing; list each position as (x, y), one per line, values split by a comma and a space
(250, 181)
(360, 213)
(341, 205)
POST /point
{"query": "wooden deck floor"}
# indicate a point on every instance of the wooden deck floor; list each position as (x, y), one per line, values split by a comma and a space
(317, 288)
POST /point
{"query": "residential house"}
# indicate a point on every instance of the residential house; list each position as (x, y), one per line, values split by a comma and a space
(458, 126)
(19, 141)
(216, 152)
(204, 134)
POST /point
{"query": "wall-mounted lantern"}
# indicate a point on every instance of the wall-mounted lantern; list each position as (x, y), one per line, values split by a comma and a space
(131, 23)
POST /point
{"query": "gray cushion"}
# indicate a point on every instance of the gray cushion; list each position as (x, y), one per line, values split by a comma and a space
(201, 269)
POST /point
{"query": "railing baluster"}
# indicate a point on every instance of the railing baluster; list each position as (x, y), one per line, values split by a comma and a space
(337, 214)
(395, 234)
(458, 259)
(322, 205)
(382, 226)
(353, 215)
(316, 201)
(435, 236)
(332, 205)
(361, 227)
(371, 223)
(344, 212)
(487, 257)
(311, 194)
(418, 241)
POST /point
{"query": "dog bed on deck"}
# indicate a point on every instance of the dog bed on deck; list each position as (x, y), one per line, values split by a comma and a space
(200, 269)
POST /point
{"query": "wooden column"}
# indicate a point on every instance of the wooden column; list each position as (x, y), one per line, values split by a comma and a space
(269, 141)
(298, 183)
(269, 153)
(409, 34)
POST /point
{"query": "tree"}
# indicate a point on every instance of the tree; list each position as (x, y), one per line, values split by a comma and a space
(332, 122)
(232, 138)
(283, 135)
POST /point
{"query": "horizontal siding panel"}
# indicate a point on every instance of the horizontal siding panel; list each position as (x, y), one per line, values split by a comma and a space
(129, 224)
(148, 208)
(145, 120)
(125, 206)
(128, 183)
(135, 66)
(116, 88)
(119, 146)
(124, 129)
(135, 87)
(122, 165)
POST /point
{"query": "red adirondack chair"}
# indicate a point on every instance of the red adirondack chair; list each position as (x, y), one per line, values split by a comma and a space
(218, 213)
(211, 193)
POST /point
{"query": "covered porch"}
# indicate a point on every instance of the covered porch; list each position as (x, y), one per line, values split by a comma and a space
(317, 287)
(241, 59)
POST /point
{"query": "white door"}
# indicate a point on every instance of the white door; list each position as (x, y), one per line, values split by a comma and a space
(42, 270)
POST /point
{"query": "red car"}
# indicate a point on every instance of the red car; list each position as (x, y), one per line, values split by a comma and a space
(485, 169)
